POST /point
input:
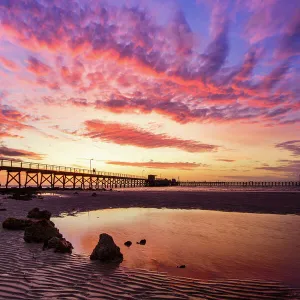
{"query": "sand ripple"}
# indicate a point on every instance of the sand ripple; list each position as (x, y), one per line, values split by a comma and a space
(27, 272)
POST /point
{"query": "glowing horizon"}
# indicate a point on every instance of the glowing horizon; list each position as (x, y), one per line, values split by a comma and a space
(199, 89)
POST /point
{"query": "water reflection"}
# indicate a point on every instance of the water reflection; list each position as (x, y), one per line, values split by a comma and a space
(212, 244)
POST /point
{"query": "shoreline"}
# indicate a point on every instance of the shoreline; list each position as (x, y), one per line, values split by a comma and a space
(244, 202)
(28, 272)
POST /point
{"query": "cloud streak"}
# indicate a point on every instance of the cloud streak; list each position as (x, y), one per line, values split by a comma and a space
(129, 135)
(10, 153)
(291, 146)
(157, 165)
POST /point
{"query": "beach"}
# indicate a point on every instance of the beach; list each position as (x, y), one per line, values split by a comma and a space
(27, 272)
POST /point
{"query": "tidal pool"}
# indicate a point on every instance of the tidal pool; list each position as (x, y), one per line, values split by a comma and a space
(212, 244)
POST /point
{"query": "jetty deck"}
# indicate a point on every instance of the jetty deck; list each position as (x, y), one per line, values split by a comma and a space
(25, 174)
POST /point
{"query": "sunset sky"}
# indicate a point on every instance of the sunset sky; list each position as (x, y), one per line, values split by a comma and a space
(196, 89)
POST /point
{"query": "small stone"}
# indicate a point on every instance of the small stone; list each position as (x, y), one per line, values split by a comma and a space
(3, 209)
(181, 267)
(142, 242)
(128, 243)
(94, 195)
(106, 250)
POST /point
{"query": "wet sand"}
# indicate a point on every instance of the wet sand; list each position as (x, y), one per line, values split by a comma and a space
(27, 272)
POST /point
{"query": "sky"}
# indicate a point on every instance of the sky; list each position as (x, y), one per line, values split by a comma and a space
(195, 89)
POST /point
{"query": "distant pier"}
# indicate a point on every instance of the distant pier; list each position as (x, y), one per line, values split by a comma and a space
(239, 183)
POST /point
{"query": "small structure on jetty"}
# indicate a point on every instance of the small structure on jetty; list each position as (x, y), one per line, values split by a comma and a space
(153, 181)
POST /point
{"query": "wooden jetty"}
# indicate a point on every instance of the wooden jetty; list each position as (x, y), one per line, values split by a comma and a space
(28, 174)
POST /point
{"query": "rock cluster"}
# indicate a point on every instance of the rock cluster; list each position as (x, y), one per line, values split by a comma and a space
(39, 229)
(16, 224)
(106, 250)
(40, 232)
(36, 213)
(59, 245)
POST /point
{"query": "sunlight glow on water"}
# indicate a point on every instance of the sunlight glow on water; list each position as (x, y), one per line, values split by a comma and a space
(212, 244)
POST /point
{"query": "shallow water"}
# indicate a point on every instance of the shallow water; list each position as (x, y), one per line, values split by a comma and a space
(212, 244)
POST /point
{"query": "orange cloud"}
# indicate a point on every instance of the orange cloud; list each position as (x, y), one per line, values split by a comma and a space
(129, 135)
(157, 165)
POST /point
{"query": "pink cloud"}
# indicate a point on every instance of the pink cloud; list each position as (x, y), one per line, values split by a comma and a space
(130, 63)
(8, 64)
(37, 67)
(129, 135)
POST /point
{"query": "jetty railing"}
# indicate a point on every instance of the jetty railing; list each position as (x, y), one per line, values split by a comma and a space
(46, 167)
(25, 174)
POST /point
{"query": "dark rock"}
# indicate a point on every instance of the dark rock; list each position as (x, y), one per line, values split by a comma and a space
(181, 267)
(142, 242)
(59, 245)
(40, 232)
(23, 197)
(128, 243)
(110, 190)
(39, 214)
(3, 209)
(16, 224)
(75, 193)
(94, 195)
(106, 250)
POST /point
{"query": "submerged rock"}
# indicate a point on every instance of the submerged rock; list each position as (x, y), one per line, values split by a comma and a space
(16, 224)
(36, 213)
(40, 232)
(142, 242)
(3, 209)
(59, 245)
(181, 267)
(106, 250)
(94, 195)
(128, 243)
